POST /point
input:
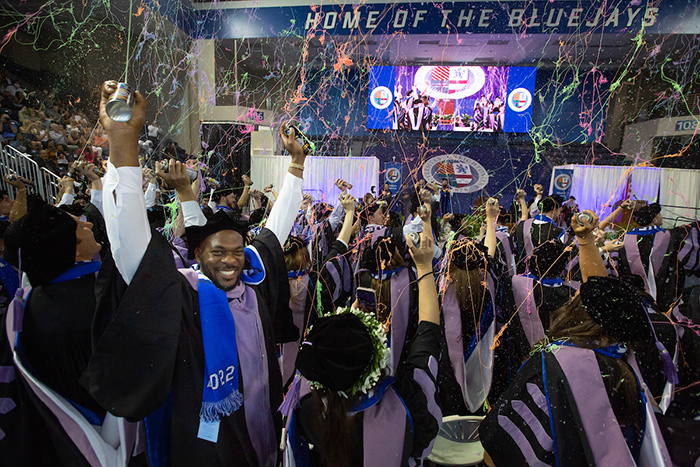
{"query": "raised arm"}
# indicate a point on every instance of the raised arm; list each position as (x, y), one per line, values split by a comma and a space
(285, 210)
(348, 203)
(67, 191)
(150, 193)
(176, 176)
(96, 186)
(534, 207)
(428, 306)
(243, 200)
(123, 201)
(589, 257)
(123, 136)
(492, 211)
(520, 198)
(19, 208)
(626, 204)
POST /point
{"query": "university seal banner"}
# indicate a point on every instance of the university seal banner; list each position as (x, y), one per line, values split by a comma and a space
(464, 175)
(392, 175)
(562, 182)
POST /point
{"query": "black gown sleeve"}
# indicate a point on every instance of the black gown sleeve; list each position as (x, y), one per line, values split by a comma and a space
(419, 398)
(275, 287)
(334, 291)
(135, 334)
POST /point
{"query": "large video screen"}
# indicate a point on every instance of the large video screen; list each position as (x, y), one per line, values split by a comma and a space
(451, 98)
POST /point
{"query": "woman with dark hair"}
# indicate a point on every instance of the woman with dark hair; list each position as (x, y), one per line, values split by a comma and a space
(468, 292)
(382, 266)
(343, 401)
(580, 398)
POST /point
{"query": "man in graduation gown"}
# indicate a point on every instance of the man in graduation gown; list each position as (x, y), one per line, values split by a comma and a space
(192, 351)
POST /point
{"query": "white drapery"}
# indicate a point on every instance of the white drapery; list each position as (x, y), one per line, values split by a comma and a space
(644, 183)
(680, 195)
(677, 190)
(597, 188)
(320, 174)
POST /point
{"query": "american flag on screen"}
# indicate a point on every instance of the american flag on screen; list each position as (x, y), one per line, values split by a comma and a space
(457, 174)
(446, 79)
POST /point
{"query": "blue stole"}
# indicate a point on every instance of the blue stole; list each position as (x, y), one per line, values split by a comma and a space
(555, 282)
(484, 325)
(543, 218)
(9, 278)
(80, 269)
(221, 395)
(643, 231)
(385, 273)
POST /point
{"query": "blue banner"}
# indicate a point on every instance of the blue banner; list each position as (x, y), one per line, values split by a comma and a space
(563, 179)
(521, 89)
(393, 176)
(208, 20)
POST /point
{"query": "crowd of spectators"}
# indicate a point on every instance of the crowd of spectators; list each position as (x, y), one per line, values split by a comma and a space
(53, 131)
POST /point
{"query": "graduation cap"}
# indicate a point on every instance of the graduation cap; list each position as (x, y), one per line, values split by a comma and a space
(45, 240)
(468, 254)
(293, 244)
(646, 214)
(256, 217)
(336, 351)
(504, 216)
(321, 211)
(222, 191)
(620, 310)
(221, 220)
(548, 204)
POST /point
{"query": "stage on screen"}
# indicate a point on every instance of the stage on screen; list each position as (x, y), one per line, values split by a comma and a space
(451, 98)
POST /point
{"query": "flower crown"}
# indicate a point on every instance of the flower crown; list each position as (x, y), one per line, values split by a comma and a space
(380, 355)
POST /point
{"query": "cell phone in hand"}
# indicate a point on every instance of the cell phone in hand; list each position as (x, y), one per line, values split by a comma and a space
(367, 300)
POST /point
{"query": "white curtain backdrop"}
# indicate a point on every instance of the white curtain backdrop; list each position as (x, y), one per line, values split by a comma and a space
(598, 187)
(644, 183)
(677, 190)
(320, 174)
(680, 193)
